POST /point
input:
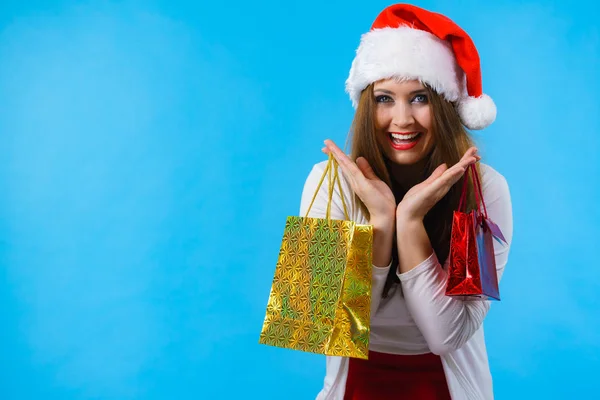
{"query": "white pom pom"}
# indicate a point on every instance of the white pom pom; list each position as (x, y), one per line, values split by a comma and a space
(477, 112)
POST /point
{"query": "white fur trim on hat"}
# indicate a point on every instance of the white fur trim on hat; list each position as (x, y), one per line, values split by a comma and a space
(477, 112)
(405, 53)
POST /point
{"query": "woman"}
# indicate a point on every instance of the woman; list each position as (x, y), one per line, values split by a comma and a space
(416, 85)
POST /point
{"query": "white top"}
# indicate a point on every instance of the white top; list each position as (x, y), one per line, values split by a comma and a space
(417, 317)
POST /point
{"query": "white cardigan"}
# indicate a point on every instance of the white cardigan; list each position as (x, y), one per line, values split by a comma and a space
(418, 317)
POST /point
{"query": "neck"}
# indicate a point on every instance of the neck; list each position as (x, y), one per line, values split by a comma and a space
(408, 176)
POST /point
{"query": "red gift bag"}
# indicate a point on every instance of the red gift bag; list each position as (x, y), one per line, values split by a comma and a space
(472, 266)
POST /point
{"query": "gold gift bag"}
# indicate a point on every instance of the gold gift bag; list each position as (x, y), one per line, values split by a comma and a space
(320, 299)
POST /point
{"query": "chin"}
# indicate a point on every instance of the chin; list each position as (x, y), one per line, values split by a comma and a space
(400, 155)
(405, 159)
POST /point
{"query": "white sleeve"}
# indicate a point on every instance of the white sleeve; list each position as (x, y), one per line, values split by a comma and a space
(448, 322)
(319, 208)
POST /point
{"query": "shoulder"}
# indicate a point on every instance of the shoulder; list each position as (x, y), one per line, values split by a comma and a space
(342, 197)
(494, 184)
(317, 170)
(315, 174)
(490, 175)
(319, 167)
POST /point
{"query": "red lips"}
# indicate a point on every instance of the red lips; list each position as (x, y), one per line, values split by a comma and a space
(407, 145)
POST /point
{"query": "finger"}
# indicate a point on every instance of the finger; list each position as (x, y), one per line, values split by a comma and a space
(466, 162)
(449, 178)
(471, 152)
(467, 159)
(463, 163)
(441, 186)
(437, 173)
(349, 167)
(443, 178)
(366, 169)
(337, 152)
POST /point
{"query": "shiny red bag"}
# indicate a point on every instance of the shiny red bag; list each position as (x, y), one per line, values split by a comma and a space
(472, 264)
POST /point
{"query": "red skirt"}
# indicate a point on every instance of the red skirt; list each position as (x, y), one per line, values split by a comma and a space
(390, 376)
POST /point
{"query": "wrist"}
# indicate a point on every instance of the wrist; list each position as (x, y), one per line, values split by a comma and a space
(407, 219)
(406, 224)
(383, 239)
(383, 223)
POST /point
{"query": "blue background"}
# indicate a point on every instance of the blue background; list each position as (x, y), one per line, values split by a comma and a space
(151, 151)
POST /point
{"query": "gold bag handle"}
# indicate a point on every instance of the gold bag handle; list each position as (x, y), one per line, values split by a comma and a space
(328, 170)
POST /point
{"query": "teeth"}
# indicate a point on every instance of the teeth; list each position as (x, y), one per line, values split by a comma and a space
(404, 137)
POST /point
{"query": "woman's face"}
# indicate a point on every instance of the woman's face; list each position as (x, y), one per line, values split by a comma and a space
(403, 119)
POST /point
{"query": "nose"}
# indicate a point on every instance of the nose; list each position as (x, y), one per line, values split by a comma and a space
(402, 115)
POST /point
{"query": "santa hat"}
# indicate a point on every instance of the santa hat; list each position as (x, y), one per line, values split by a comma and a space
(408, 42)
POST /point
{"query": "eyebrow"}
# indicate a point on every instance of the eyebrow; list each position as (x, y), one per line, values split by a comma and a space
(385, 91)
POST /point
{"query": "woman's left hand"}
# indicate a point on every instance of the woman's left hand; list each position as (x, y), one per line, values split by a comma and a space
(422, 197)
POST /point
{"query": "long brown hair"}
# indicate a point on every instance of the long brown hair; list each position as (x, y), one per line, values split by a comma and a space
(451, 142)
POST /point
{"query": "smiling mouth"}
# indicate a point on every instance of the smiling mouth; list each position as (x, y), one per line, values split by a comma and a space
(404, 141)
(405, 138)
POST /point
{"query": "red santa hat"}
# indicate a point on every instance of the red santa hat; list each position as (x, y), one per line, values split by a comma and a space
(408, 42)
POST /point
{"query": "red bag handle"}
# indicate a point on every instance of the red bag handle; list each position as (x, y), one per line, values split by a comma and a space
(478, 192)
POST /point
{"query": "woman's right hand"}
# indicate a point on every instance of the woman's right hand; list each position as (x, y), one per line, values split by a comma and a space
(374, 193)
(378, 198)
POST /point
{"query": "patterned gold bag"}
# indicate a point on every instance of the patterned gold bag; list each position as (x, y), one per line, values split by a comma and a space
(320, 299)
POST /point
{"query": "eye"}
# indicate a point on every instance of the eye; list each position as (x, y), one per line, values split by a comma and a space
(383, 98)
(420, 98)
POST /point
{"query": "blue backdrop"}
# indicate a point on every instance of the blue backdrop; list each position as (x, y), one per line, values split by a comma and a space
(151, 151)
